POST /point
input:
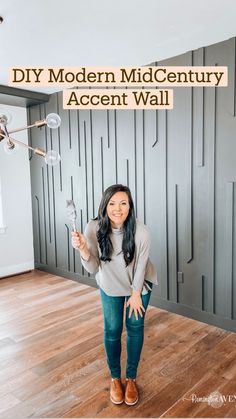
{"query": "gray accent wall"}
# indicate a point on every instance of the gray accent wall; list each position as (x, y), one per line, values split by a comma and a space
(181, 168)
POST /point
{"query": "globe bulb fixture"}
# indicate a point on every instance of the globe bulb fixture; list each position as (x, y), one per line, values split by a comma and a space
(52, 158)
(53, 120)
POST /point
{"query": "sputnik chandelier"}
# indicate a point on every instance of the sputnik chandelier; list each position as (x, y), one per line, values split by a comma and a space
(52, 120)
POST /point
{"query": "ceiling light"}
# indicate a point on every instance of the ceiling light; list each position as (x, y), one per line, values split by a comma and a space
(52, 120)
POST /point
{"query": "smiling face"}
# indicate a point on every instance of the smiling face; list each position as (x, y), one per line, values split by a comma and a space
(118, 209)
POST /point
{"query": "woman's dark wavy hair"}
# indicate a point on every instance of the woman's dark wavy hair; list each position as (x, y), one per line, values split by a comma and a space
(104, 230)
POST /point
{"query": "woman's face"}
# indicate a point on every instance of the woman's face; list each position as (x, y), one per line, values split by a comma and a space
(118, 209)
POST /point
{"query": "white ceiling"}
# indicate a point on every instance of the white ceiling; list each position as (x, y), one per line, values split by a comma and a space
(108, 33)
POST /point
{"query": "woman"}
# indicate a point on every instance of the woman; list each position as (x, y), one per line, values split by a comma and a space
(115, 247)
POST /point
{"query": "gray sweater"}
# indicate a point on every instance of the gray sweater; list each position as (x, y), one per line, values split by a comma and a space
(114, 277)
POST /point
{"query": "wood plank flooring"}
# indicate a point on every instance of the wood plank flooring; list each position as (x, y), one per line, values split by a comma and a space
(52, 361)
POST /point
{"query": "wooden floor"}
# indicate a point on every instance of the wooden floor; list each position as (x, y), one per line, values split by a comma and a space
(52, 361)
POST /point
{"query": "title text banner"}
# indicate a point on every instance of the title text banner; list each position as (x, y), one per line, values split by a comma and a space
(123, 76)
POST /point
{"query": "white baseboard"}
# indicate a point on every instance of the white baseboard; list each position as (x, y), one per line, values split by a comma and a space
(16, 269)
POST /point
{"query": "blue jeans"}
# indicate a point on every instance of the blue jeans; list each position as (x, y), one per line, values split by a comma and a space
(113, 313)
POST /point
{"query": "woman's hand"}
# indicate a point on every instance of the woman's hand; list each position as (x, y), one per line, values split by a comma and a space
(78, 240)
(79, 243)
(135, 304)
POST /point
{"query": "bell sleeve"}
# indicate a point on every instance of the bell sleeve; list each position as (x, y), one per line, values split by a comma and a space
(142, 256)
(92, 264)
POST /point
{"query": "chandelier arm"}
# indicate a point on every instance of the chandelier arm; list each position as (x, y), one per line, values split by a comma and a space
(37, 124)
(36, 150)
(20, 143)
(12, 140)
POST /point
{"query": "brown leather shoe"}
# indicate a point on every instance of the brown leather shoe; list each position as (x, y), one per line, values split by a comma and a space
(131, 392)
(116, 391)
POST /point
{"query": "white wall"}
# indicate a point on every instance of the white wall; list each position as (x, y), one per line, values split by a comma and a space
(16, 239)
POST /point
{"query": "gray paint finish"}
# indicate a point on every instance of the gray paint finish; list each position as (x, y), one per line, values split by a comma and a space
(180, 166)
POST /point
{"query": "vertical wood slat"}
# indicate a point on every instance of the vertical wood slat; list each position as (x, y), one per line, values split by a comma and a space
(79, 141)
(40, 111)
(229, 217)
(190, 180)
(39, 229)
(212, 186)
(29, 119)
(82, 231)
(69, 128)
(176, 256)
(74, 261)
(86, 170)
(200, 117)
(92, 162)
(71, 188)
(156, 127)
(68, 231)
(44, 216)
(54, 217)
(203, 293)
(127, 172)
(116, 157)
(144, 169)
(135, 162)
(49, 207)
(166, 207)
(68, 246)
(59, 144)
(102, 164)
(108, 129)
(190, 187)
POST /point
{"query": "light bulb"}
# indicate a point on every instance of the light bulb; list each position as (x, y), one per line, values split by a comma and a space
(52, 158)
(5, 116)
(10, 148)
(53, 120)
